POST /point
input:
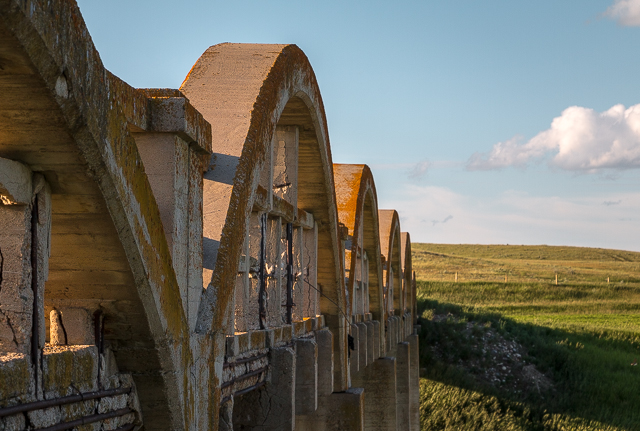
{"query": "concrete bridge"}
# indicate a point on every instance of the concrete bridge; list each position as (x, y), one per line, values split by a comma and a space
(189, 258)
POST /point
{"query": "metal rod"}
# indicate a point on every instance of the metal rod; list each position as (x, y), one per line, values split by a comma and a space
(37, 405)
(243, 391)
(289, 272)
(262, 272)
(87, 420)
(244, 377)
(244, 360)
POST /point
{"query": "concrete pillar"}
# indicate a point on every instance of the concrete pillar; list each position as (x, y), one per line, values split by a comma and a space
(414, 382)
(272, 406)
(338, 326)
(370, 342)
(310, 271)
(225, 421)
(276, 283)
(306, 376)
(324, 341)
(380, 402)
(362, 346)
(342, 411)
(299, 286)
(166, 162)
(354, 357)
(377, 348)
(403, 379)
(392, 336)
(21, 193)
(285, 164)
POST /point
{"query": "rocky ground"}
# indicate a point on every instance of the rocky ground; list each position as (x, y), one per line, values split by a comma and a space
(492, 360)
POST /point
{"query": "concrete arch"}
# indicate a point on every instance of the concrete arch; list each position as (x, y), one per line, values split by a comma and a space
(358, 211)
(407, 275)
(390, 244)
(109, 251)
(246, 92)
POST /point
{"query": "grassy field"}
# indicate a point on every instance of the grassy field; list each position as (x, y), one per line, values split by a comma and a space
(528, 354)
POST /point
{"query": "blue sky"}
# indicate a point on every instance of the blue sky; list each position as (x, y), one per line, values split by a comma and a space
(484, 122)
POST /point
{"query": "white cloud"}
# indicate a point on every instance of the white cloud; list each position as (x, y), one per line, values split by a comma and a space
(625, 12)
(517, 217)
(580, 139)
(419, 170)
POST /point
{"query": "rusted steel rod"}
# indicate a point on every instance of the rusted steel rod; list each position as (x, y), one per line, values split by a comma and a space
(243, 391)
(244, 360)
(87, 420)
(244, 376)
(37, 405)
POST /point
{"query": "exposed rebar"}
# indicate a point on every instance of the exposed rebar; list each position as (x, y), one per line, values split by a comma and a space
(38, 405)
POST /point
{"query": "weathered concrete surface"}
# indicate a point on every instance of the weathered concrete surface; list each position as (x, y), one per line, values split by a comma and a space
(273, 406)
(148, 244)
(379, 383)
(403, 385)
(324, 339)
(390, 246)
(306, 392)
(338, 411)
(358, 211)
(15, 183)
(65, 116)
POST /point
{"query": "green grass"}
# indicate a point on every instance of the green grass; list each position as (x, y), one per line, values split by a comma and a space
(583, 334)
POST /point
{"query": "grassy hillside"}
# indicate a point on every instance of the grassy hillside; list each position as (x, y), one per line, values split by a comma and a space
(528, 354)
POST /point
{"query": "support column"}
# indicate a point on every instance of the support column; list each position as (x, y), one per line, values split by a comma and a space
(380, 403)
(377, 348)
(362, 346)
(403, 379)
(272, 406)
(414, 383)
(306, 376)
(370, 342)
(338, 411)
(225, 421)
(354, 357)
(324, 340)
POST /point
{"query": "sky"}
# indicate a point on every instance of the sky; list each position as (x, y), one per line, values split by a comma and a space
(486, 122)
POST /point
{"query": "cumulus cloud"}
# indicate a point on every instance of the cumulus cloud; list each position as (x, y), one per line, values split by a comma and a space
(625, 12)
(580, 139)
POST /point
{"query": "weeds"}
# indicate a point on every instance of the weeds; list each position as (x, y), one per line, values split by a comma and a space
(530, 355)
